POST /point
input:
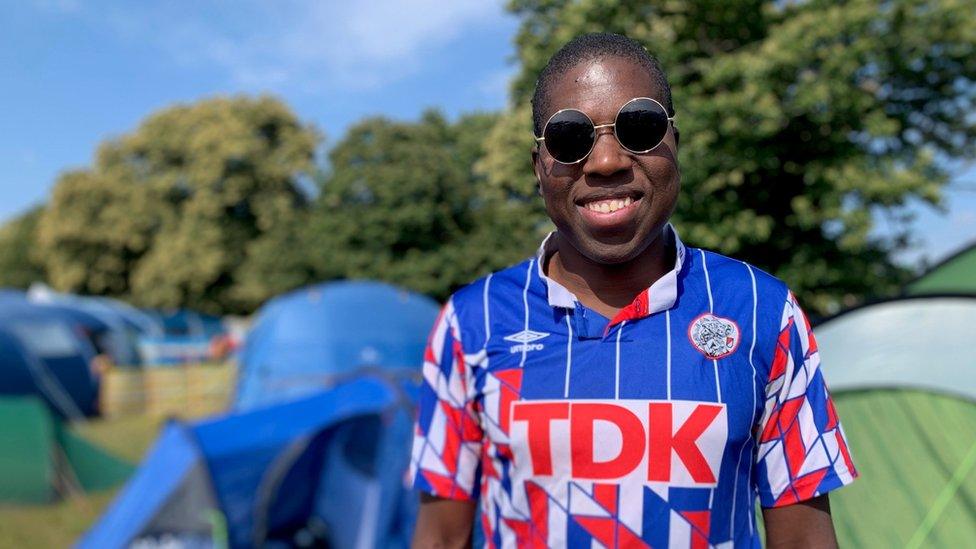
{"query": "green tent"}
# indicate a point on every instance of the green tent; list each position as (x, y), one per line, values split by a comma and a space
(903, 377)
(41, 458)
(954, 275)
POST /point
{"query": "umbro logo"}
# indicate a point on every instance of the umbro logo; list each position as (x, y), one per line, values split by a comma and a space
(526, 336)
(524, 341)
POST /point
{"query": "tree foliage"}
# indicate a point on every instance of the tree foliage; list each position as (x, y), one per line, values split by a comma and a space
(187, 210)
(403, 203)
(798, 121)
(19, 264)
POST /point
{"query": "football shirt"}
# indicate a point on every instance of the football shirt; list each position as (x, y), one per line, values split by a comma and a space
(657, 428)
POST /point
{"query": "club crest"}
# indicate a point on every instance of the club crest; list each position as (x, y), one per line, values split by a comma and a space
(714, 336)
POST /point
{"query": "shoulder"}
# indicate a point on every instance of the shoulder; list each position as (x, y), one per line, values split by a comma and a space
(757, 299)
(472, 304)
(734, 279)
(510, 280)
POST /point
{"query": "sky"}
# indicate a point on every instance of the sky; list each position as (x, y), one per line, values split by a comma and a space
(75, 73)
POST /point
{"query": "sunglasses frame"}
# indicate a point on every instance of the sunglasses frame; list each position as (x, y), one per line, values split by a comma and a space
(611, 125)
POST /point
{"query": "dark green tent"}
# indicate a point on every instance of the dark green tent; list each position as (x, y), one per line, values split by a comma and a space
(41, 458)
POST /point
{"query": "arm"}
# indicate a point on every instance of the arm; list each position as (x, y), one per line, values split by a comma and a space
(443, 522)
(806, 524)
(447, 441)
(803, 453)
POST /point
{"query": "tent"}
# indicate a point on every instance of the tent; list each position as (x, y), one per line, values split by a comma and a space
(325, 470)
(953, 275)
(187, 336)
(186, 322)
(305, 339)
(11, 294)
(94, 329)
(903, 376)
(125, 323)
(44, 351)
(41, 458)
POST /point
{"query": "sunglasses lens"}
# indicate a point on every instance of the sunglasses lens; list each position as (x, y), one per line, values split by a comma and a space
(569, 136)
(641, 125)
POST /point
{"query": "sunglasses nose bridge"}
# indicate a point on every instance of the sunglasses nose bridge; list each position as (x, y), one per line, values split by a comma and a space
(603, 129)
(607, 156)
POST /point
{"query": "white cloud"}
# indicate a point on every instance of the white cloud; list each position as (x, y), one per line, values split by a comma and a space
(312, 45)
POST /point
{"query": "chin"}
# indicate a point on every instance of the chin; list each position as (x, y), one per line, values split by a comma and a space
(609, 253)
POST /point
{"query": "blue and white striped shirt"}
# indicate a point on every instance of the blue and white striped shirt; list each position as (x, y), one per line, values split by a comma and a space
(657, 428)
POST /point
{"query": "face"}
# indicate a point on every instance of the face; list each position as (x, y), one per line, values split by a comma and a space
(639, 190)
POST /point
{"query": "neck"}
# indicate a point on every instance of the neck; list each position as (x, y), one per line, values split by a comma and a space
(609, 288)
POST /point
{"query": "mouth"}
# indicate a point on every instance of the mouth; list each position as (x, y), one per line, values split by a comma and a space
(608, 205)
(609, 212)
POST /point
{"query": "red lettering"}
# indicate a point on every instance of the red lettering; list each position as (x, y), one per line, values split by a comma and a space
(581, 437)
(659, 436)
(683, 441)
(538, 417)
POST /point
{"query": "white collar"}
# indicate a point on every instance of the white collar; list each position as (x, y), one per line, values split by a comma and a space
(661, 295)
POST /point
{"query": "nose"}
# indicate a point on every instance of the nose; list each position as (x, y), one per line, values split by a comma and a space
(607, 156)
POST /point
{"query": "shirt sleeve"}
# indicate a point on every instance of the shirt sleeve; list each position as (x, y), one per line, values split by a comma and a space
(802, 451)
(447, 436)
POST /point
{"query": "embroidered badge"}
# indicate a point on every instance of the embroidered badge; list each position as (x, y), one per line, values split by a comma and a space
(714, 336)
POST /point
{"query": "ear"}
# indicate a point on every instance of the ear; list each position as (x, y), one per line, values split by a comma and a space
(677, 134)
(536, 168)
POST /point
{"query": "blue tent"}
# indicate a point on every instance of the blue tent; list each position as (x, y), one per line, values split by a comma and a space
(10, 293)
(308, 338)
(186, 323)
(125, 324)
(186, 336)
(136, 319)
(326, 470)
(45, 350)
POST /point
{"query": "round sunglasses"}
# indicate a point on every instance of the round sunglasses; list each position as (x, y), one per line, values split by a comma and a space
(640, 125)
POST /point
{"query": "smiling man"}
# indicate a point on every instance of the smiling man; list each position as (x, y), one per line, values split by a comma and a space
(621, 389)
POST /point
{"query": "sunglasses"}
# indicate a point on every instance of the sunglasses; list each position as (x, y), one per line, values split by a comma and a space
(640, 126)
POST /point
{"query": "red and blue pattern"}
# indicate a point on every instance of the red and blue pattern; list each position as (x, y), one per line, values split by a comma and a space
(658, 428)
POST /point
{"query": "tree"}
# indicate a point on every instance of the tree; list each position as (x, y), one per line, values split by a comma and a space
(277, 261)
(798, 120)
(19, 265)
(403, 203)
(180, 211)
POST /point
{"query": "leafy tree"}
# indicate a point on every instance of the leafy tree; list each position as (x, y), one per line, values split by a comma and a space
(19, 265)
(403, 203)
(798, 121)
(277, 261)
(181, 211)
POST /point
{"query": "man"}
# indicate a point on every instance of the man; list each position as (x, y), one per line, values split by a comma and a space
(622, 389)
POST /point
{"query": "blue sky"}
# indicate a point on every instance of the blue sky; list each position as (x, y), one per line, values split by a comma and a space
(77, 72)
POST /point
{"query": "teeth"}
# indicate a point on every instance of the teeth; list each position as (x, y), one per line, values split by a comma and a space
(610, 205)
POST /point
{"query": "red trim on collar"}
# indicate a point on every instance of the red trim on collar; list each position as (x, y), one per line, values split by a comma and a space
(637, 309)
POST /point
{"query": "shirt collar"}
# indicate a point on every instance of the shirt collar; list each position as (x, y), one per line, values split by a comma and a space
(661, 296)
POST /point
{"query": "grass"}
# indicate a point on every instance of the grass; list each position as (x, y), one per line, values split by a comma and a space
(127, 437)
(59, 524)
(53, 525)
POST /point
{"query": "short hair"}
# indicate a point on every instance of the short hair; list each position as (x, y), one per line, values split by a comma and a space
(594, 46)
